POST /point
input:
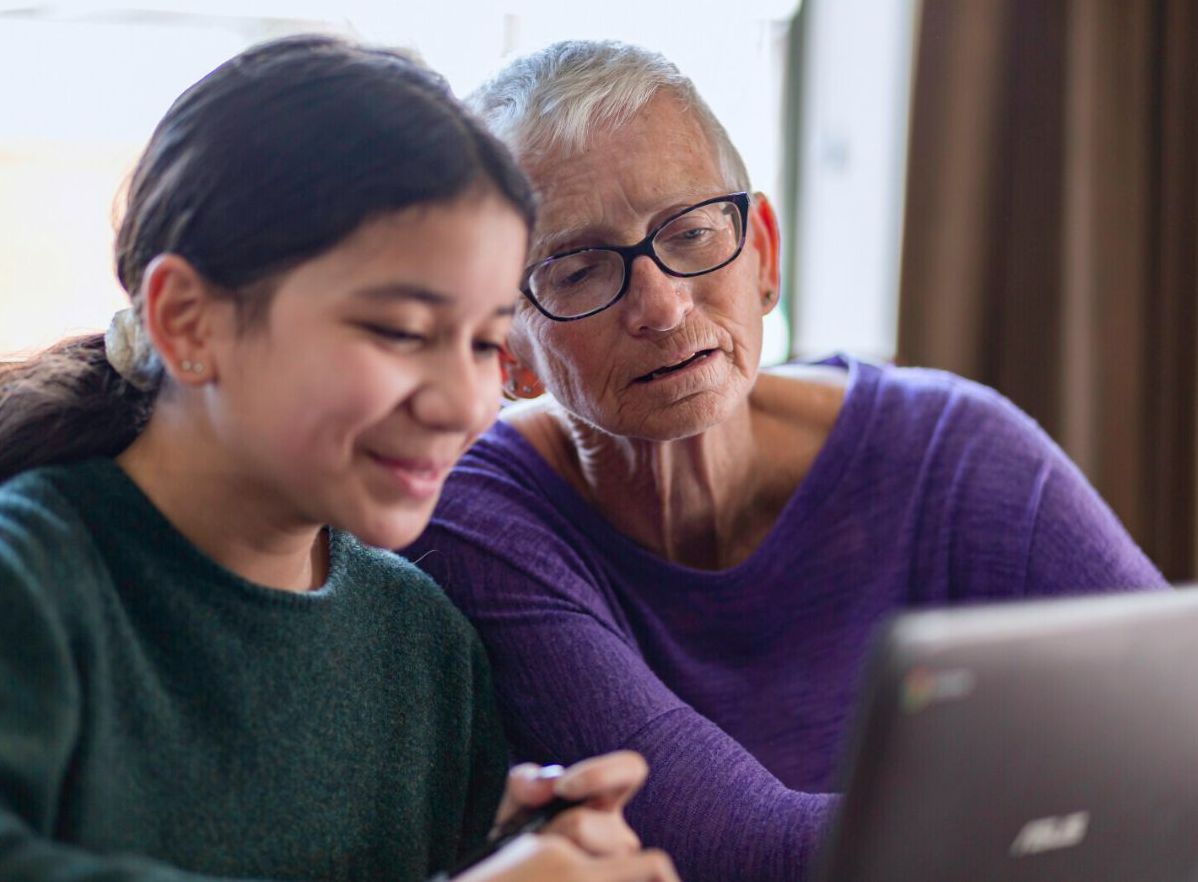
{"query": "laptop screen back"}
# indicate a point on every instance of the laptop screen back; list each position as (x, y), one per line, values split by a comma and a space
(1044, 741)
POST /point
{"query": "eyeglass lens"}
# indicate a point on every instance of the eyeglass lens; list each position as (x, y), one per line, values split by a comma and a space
(692, 243)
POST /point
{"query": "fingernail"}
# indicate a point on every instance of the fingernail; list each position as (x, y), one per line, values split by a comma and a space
(526, 771)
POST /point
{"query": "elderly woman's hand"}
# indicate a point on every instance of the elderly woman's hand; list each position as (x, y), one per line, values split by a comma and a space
(604, 784)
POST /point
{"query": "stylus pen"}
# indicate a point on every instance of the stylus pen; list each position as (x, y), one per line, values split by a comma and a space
(526, 820)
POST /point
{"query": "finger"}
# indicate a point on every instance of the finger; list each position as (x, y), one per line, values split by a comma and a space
(528, 785)
(645, 866)
(596, 832)
(537, 858)
(552, 859)
(607, 781)
(513, 861)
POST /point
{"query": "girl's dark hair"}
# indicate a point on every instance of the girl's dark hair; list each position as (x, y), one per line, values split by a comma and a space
(270, 160)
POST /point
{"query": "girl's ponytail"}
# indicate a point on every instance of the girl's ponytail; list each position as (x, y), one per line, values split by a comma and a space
(65, 405)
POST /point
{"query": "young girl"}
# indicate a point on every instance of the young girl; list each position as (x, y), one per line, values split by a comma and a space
(205, 669)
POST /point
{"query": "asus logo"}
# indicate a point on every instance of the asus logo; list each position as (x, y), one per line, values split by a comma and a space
(1049, 834)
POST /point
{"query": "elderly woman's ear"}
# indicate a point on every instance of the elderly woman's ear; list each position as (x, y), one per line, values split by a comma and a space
(519, 381)
(763, 238)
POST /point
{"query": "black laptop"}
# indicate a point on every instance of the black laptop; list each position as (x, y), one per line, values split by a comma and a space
(1045, 741)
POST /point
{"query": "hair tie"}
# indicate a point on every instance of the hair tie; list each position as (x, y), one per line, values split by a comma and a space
(130, 352)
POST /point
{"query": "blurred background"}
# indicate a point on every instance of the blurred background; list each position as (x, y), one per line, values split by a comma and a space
(1007, 189)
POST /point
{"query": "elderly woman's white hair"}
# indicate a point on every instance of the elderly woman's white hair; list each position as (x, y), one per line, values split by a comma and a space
(556, 98)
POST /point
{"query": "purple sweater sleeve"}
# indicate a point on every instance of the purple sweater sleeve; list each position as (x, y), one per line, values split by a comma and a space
(1078, 541)
(1016, 500)
(574, 686)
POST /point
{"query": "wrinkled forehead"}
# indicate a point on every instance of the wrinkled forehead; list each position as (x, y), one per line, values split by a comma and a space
(624, 176)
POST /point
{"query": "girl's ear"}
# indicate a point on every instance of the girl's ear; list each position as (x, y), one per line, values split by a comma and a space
(519, 381)
(179, 319)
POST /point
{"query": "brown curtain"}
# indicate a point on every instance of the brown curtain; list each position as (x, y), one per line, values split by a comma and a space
(1051, 234)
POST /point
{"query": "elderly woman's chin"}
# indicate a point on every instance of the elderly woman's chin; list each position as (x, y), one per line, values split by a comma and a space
(673, 407)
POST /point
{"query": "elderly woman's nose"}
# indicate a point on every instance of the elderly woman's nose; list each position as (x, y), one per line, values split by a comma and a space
(655, 301)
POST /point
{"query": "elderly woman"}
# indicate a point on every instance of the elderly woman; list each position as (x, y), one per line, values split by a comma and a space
(677, 553)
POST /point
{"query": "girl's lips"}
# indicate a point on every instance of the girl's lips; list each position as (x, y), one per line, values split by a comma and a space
(420, 478)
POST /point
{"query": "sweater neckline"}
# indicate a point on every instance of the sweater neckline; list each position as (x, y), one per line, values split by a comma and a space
(110, 493)
(845, 439)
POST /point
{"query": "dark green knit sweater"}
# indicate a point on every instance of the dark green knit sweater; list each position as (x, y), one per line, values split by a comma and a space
(161, 717)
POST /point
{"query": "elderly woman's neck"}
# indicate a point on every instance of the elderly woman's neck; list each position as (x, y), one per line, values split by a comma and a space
(695, 501)
(707, 501)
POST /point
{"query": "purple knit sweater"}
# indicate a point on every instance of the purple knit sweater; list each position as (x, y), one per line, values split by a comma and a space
(737, 685)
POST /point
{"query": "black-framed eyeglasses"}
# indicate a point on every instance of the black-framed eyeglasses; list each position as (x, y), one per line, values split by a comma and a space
(700, 239)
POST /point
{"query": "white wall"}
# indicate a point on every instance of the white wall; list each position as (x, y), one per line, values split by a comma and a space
(853, 134)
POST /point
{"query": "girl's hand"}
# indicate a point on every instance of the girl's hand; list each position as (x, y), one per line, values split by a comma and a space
(551, 858)
(605, 783)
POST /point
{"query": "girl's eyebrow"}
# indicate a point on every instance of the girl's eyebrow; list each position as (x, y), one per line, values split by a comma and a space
(399, 291)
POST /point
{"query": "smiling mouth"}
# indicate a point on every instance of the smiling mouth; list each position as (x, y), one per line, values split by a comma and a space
(417, 478)
(661, 372)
